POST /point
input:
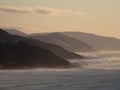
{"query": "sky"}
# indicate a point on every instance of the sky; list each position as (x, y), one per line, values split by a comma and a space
(100, 17)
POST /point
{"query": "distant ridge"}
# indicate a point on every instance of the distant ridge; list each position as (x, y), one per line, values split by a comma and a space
(97, 42)
(64, 41)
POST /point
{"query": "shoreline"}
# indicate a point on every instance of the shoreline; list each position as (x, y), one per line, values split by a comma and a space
(59, 67)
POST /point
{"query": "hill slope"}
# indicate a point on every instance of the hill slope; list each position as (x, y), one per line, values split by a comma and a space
(15, 32)
(96, 41)
(16, 53)
(66, 42)
(56, 49)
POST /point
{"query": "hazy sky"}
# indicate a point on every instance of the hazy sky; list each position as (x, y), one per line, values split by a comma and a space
(93, 16)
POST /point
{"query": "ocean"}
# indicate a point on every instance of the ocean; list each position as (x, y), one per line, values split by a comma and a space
(99, 71)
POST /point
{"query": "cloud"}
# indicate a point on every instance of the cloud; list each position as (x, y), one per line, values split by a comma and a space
(52, 11)
(39, 10)
(16, 9)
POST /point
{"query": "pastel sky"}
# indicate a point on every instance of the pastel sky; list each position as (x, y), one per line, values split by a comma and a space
(31, 16)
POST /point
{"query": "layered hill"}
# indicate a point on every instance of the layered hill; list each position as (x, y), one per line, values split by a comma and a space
(56, 49)
(19, 52)
(66, 42)
(96, 41)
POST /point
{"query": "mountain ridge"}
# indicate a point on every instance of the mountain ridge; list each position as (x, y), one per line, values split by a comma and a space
(21, 54)
(66, 42)
(56, 49)
(97, 42)
(15, 32)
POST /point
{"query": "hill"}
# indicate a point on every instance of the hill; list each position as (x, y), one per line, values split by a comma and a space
(66, 42)
(15, 32)
(56, 49)
(97, 42)
(15, 52)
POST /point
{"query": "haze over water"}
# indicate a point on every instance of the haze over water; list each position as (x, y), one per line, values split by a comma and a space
(99, 72)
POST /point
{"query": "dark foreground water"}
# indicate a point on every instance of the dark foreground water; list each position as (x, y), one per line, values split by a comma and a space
(101, 72)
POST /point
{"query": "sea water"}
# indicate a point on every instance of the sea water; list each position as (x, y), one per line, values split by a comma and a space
(100, 71)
